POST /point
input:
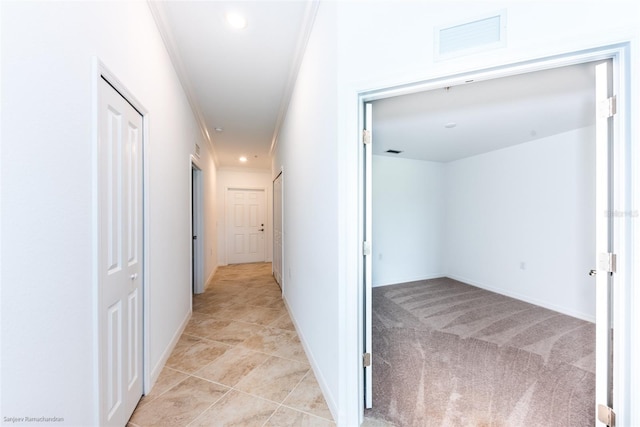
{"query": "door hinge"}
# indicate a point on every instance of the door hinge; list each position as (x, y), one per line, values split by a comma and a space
(607, 108)
(606, 415)
(366, 360)
(607, 262)
(366, 248)
(366, 137)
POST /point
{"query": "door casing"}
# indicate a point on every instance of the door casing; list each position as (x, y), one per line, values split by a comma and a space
(622, 245)
(197, 227)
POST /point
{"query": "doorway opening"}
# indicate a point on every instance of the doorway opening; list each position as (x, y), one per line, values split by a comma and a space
(197, 229)
(615, 144)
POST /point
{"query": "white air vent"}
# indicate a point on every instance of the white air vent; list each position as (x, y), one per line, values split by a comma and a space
(197, 150)
(482, 34)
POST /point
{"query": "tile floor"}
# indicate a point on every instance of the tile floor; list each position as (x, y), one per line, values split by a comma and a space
(239, 362)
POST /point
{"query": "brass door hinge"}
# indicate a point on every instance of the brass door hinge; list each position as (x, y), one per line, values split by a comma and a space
(606, 415)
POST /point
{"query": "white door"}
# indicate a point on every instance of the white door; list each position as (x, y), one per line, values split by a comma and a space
(277, 229)
(605, 260)
(119, 256)
(245, 226)
(368, 233)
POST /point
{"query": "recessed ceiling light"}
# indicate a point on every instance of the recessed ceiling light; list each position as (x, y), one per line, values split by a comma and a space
(243, 159)
(218, 129)
(451, 125)
(236, 20)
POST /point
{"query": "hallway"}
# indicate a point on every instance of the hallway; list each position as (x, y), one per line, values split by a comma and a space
(238, 362)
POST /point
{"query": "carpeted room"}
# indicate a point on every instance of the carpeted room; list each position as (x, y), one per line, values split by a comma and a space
(482, 306)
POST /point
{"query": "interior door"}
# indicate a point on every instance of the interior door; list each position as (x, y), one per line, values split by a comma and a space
(120, 257)
(245, 226)
(277, 229)
(605, 259)
(368, 218)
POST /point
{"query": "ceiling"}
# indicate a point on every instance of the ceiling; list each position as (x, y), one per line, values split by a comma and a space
(239, 81)
(488, 115)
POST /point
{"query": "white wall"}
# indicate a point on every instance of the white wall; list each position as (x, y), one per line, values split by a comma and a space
(307, 152)
(379, 44)
(408, 220)
(48, 359)
(247, 179)
(210, 190)
(521, 221)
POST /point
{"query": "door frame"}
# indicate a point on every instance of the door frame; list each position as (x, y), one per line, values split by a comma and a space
(100, 71)
(273, 221)
(226, 217)
(197, 225)
(622, 177)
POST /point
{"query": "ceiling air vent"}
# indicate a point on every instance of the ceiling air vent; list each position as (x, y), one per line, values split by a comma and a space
(394, 151)
(470, 37)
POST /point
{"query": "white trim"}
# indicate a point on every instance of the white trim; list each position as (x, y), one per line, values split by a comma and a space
(158, 13)
(322, 382)
(300, 50)
(410, 279)
(273, 220)
(157, 369)
(582, 316)
(623, 147)
(99, 71)
(198, 257)
(213, 273)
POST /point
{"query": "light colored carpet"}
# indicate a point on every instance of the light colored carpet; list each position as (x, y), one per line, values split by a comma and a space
(450, 354)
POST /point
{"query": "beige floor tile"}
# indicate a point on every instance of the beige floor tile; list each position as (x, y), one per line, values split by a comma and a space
(220, 352)
(257, 315)
(192, 352)
(213, 306)
(268, 300)
(274, 379)
(232, 366)
(201, 323)
(285, 417)
(237, 409)
(179, 405)
(271, 341)
(283, 322)
(234, 333)
(166, 380)
(307, 397)
(291, 348)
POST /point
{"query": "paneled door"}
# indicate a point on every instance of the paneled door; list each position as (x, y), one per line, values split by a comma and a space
(119, 256)
(245, 226)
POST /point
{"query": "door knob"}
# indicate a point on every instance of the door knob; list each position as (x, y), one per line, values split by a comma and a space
(592, 272)
(134, 276)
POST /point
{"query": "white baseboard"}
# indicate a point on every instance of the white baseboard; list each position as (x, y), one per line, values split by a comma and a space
(525, 298)
(213, 273)
(409, 279)
(331, 403)
(155, 372)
